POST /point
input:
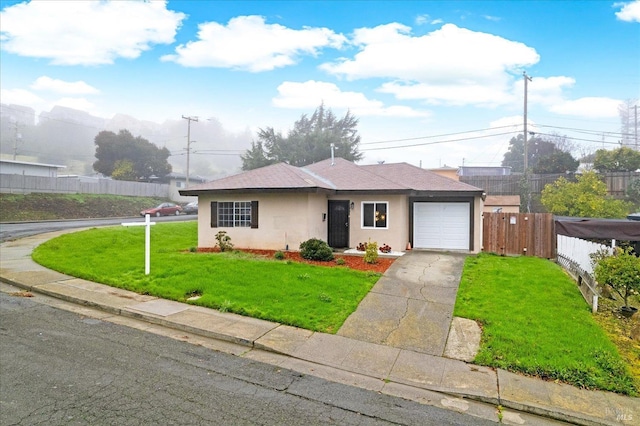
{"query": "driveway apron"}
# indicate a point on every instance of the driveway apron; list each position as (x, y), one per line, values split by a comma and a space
(411, 305)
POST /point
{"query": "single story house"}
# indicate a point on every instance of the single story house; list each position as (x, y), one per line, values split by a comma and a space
(502, 204)
(26, 168)
(178, 181)
(279, 206)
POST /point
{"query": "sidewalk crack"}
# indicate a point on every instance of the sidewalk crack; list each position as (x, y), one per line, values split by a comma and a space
(398, 323)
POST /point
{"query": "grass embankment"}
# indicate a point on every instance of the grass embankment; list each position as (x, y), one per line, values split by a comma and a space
(535, 321)
(307, 296)
(41, 206)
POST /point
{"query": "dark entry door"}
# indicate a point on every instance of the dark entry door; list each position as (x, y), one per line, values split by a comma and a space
(338, 223)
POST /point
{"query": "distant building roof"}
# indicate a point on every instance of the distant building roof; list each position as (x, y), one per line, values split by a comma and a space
(484, 171)
(28, 163)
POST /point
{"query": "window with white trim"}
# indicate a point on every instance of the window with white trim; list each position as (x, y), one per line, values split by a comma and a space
(234, 214)
(375, 214)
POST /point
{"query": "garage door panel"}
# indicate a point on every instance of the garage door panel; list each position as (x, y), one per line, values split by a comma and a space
(441, 225)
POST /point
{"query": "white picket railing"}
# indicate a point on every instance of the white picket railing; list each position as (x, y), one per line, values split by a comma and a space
(573, 255)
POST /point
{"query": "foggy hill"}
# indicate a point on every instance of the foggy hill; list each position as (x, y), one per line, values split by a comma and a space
(65, 136)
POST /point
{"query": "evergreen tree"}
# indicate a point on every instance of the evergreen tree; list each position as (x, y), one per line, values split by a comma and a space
(308, 142)
(146, 158)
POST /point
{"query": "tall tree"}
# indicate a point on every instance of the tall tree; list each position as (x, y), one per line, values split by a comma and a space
(557, 162)
(114, 151)
(622, 159)
(538, 149)
(308, 142)
(587, 197)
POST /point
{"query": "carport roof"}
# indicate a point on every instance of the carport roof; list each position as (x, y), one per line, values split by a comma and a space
(334, 176)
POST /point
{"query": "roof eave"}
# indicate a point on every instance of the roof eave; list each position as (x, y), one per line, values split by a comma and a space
(309, 190)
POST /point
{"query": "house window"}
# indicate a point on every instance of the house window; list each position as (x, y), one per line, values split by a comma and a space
(375, 214)
(234, 214)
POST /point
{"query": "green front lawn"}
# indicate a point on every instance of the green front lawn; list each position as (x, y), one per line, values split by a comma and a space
(311, 297)
(535, 321)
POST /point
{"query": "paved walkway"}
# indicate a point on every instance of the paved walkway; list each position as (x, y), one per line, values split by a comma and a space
(411, 306)
(396, 371)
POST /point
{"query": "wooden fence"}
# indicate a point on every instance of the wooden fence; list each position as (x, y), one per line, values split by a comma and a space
(528, 234)
(617, 182)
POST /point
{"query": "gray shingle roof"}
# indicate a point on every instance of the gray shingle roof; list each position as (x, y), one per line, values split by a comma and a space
(342, 175)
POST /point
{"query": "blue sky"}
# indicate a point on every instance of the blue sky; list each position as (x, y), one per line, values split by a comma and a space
(411, 71)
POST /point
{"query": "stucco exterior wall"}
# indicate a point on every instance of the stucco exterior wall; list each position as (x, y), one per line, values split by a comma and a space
(284, 220)
(478, 205)
(396, 235)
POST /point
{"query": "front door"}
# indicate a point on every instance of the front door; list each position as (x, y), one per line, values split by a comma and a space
(338, 224)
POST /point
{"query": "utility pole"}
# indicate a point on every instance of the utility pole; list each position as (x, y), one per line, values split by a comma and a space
(15, 142)
(527, 187)
(526, 154)
(189, 120)
(636, 124)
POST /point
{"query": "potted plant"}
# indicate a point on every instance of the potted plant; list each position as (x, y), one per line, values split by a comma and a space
(620, 271)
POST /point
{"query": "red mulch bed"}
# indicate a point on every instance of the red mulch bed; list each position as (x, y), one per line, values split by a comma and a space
(352, 261)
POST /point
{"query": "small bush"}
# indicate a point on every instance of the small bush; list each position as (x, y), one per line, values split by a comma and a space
(279, 255)
(224, 241)
(340, 261)
(371, 253)
(315, 249)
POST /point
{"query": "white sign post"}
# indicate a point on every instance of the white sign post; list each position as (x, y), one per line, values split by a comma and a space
(147, 240)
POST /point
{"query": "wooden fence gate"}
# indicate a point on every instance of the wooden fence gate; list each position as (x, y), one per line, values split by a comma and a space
(527, 234)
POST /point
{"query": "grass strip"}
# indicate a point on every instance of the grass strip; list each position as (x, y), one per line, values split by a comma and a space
(307, 296)
(535, 321)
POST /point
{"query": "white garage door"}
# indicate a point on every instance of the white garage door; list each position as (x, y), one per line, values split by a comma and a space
(441, 226)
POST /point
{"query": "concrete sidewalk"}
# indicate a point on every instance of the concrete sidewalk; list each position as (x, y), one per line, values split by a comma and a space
(407, 373)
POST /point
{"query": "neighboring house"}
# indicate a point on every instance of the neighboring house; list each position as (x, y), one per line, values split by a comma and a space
(178, 182)
(447, 171)
(502, 204)
(12, 167)
(484, 171)
(280, 206)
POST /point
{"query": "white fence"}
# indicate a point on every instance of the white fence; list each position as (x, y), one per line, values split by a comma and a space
(22, 184)
(573, 255)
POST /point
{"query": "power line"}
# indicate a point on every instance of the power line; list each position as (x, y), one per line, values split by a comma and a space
(440, 142)
(436, 136)
(581, 139)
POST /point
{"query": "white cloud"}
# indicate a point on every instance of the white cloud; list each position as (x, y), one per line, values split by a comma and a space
(450, 65)
(426, 19)
(630, 12)
(21, 97)
(86, 32)
(63, 87)
(589, 107)
(545, 90)
(311, 93)
(248, 43)
(492, 18)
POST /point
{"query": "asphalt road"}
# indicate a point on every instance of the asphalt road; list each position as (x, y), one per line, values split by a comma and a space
(11, 231)
(59, 367)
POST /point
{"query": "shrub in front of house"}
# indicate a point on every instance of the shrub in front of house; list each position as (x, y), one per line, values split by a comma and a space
(315, 249)
(371, 253)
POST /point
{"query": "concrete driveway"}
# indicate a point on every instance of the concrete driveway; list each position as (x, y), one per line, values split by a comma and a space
(411, 306)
